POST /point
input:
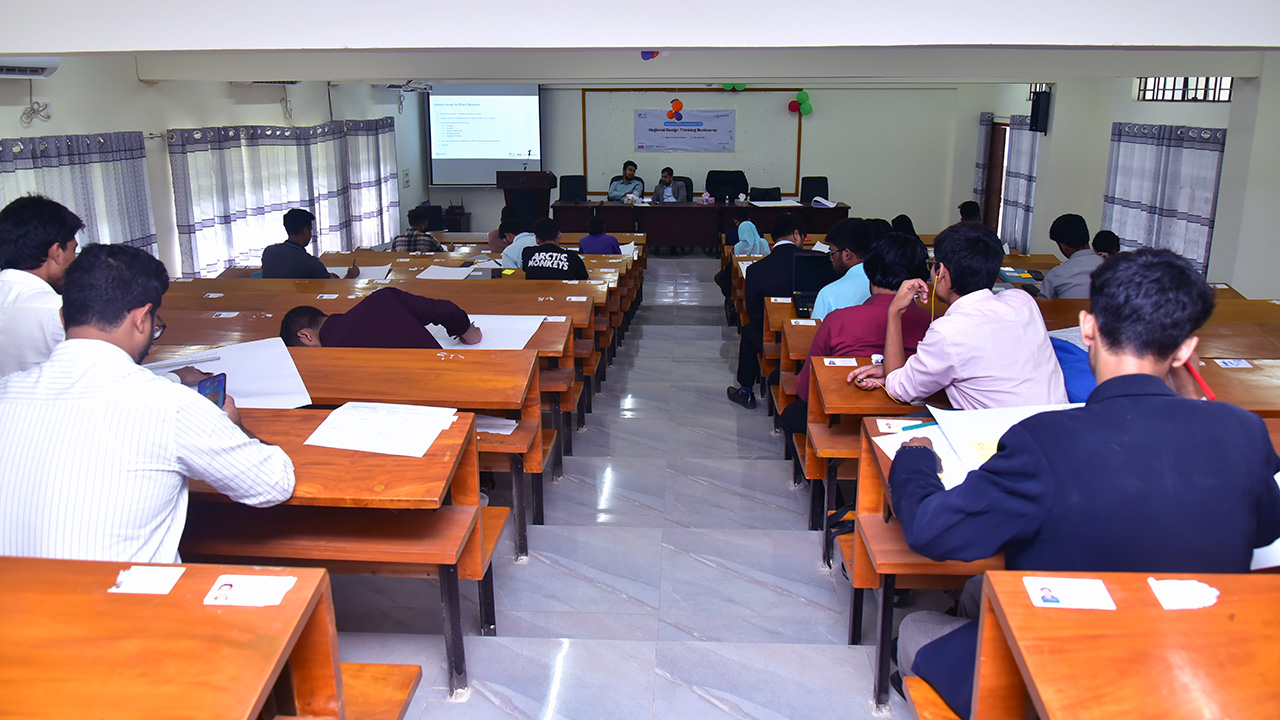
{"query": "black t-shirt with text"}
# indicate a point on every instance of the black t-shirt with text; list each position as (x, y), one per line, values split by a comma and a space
(552, 262)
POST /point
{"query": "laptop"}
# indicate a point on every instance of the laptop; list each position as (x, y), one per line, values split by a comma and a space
(810, 272)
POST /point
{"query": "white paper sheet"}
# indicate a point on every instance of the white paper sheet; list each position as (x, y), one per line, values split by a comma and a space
(250, 590)
(974, 434)
(743, 265)
(629, 249)
(1071, 335)
(147, 580)
(497, 332)
(484, 261)
(822, 202)
(775, 203)
(1068, 593)
(821, 247)
(367, 272)
(1183, 594)
(953, 471)
(495, 425)
(383, 428)
(439, 272)
(260, 374)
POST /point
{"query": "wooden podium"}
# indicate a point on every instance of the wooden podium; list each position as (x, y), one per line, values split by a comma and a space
(527, 191)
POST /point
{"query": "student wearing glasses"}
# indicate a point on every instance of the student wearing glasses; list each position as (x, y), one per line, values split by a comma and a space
(850, 240)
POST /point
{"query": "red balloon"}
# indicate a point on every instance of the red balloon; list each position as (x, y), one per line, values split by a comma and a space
(671, 114)
(794, 106)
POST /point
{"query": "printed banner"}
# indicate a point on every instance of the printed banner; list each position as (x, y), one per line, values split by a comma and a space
(696, 131)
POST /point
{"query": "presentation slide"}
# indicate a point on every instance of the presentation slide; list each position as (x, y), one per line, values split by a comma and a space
(477, 130)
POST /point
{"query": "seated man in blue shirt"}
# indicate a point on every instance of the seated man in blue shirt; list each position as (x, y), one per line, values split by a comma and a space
(850, 241)
(628, 184)
(517, 239)
(1137, 480)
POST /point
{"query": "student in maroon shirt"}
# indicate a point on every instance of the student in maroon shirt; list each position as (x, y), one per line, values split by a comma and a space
(389, 318)
(859, 331)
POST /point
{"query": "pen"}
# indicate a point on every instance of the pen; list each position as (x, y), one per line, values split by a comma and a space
(917, 426)
(1195, 375)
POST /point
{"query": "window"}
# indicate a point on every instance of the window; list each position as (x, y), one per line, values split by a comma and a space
(1184, 89)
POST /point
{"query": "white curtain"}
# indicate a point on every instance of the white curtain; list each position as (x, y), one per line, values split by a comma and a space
(1018, 203)
(986, 121)
(232, 186)
(1162, 187)
(102, 178)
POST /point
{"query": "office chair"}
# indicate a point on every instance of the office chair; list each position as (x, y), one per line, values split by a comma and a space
(688, 185)
(766, 194)
(726, 183)
(573, 188)
(813, 186)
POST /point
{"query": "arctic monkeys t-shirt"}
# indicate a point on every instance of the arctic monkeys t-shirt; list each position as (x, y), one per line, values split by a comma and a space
(552, 262)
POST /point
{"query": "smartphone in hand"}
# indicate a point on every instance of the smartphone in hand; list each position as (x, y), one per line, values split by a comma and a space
(214, 388)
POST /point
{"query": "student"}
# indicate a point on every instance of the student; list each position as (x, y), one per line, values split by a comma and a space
(517, 239)
(987, 350)
(290, 258)
(850, 241)
(879, 227)
(626, 185)
(549, 261)
(668, 190)
(970, 212)
(749, 243)
(1106, 244)
(902, 224)
(388, 318)
(1071, 278)
(497, 241)
(417, 239)
(118, 490)
(860, 330)
(1108, 487)
(37, 243)
(770, 276)
(596, 242)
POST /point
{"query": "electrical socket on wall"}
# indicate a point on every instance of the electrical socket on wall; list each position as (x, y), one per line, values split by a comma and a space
(404, 177)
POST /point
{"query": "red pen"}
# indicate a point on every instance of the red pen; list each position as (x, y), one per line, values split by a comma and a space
(1200, 381)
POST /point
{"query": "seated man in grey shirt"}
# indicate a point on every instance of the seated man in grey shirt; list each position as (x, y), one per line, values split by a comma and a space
(1071, 278)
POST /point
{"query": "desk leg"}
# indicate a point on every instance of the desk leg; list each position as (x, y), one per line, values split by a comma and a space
(833, 470)
(856, 599)
(488, 608)
(566, 422)
(815, 504)
(536, 492)
(521, 504)
(455, 656)
(884, 641)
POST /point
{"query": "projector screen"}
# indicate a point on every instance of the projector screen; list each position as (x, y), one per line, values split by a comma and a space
(477, 130)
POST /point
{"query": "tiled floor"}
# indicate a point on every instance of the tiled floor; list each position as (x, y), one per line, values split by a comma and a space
(673, 577)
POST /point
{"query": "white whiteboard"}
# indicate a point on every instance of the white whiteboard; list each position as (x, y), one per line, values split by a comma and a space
(767, 137)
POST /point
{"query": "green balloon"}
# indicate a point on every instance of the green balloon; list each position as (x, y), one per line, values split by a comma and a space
(802, 96)
(805, 108)
(740, 86)
(727, 86)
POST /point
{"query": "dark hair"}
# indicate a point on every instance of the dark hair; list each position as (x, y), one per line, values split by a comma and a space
(896, 258)
(668, 171)
(1070, 230)
(510, 227)
(970, 211)
(595, 225)
(628, 164)
(509, 212)
(971, 254)
(903, 224)
(1106, 242)
(741, 215)
(297, 220)
(29, 226)
(879, 227)
(785, 224)
(418, 215)
(546, 230)
(302, 317)
(851, 234)
(1147, 302)
(107, 282)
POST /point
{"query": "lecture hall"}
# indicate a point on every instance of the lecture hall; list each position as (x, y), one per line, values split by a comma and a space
(857, 361)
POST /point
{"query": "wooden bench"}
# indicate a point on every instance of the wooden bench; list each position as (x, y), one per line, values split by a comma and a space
(375, 691)
(925, 701)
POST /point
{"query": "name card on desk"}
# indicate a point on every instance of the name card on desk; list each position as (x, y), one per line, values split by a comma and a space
(570, 282)
(779, 300)
(802, 321)
(1071, 593)
(327, 296)
(577, 298)
(213, 295)
(1234, 363)
(250, 590)
(841, 362)
(556, 318)
(147, 580)
(226, 314)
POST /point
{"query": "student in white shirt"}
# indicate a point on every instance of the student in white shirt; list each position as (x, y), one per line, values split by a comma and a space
(95, 451)
(37, 243)
(513, 255)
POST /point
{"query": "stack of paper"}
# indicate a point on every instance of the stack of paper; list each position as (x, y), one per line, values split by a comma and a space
(383, 428)
(822, 202)
(775, 203)
(495, 425)
(440, 272)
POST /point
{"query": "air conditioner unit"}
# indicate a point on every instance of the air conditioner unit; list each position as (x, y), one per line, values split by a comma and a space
(28, 67)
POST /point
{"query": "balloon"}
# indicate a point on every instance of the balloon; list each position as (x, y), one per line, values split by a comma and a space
(740, 86)
(671, 114)
(677, 105)
(679, 117)
(727, 86)
(648, 54)
(793, 106)
(802, 96)
(805, 108)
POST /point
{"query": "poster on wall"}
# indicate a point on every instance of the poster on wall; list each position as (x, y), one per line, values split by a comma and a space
(696, 131)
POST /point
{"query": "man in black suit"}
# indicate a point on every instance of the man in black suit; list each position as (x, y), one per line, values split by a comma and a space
(770, 276)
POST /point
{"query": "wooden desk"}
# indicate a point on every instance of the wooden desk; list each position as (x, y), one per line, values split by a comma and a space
(1042, 262)
(1237, 328)
(1139, 660)
(1255, 388)
(797, 338)
(679, 224)
(71, 649)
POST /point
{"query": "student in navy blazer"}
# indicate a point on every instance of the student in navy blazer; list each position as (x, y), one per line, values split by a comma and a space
(770, 276)
(1140, 479)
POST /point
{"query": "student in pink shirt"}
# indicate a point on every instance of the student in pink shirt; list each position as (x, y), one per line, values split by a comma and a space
(987, 350)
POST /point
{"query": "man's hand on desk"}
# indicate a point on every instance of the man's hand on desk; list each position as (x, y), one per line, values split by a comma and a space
(191, 376)
(471, 336)
(867, 377)
(923, 442)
